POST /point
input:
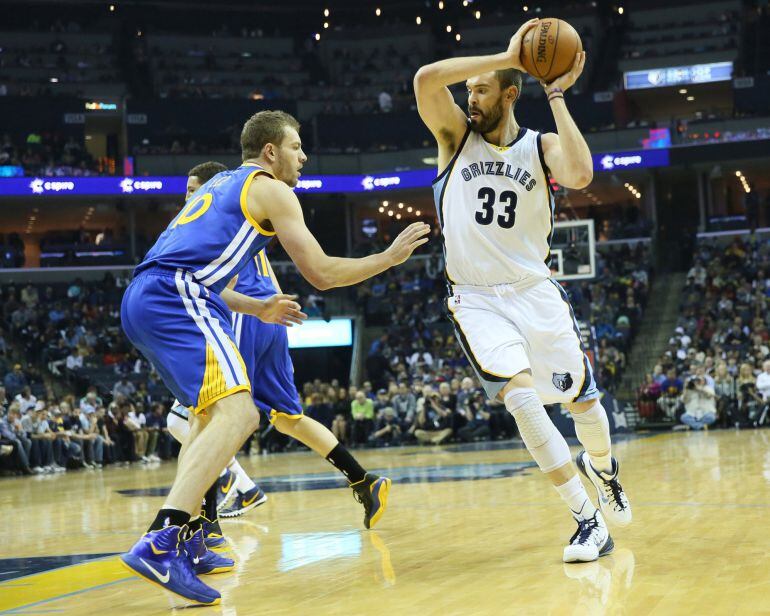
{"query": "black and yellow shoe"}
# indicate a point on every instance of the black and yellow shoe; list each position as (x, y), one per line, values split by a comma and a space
(212, 535)
(372, 493)
(244, 503)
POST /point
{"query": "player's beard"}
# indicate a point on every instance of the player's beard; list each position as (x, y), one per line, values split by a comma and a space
(489, 119)
(285, 171)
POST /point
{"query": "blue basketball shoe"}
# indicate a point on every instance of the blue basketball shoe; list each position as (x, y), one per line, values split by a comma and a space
(203, 560)
(226, 489)
(158, 557)
(244, 503)
(372, 492)
(212, 534)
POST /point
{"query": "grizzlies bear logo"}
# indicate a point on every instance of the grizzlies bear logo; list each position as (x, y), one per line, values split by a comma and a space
(562, 382)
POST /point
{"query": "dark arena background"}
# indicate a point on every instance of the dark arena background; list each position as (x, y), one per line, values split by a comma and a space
(665, 257)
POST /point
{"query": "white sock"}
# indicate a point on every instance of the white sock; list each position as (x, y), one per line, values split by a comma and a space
(244, 482)
(574, 494)
(593, 432)
(224, 470)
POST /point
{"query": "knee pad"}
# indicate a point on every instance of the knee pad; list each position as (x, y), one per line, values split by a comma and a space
(178, 427)
(593, 429)
(543, 441)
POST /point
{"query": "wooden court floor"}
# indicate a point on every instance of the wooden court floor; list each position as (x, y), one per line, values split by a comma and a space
(471, 530)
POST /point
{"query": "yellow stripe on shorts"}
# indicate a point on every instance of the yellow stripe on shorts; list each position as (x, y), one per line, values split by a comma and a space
(213, 379)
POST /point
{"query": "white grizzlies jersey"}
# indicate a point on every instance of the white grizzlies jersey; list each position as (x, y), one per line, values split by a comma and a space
(496, 211)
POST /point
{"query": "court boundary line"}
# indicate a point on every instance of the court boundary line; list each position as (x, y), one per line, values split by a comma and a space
(82, 562)
(16, 610)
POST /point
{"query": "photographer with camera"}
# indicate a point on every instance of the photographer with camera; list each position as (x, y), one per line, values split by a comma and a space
(700, 410)
(433, 420)
(477, 415)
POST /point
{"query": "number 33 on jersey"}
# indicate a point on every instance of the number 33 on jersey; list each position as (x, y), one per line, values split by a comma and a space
(496, 211)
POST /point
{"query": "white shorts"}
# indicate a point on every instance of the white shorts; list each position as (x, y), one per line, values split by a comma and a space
(504, 331)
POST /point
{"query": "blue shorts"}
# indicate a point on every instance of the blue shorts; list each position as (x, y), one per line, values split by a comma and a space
(265, 350)
(186, 332)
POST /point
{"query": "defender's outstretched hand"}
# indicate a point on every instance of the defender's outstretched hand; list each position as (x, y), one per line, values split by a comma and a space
(568, 79)
(407, 241)
(281, 309)
(514, 46)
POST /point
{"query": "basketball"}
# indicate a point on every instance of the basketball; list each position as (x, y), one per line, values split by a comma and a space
(548, 50)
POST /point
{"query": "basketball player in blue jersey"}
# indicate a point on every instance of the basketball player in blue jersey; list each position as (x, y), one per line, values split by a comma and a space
(265, 351)
(513, 321)
(234, 481)
(177, 310)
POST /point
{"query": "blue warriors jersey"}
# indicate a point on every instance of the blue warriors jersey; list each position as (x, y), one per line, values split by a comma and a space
(265, 346)
(254, 279)
(214, 237)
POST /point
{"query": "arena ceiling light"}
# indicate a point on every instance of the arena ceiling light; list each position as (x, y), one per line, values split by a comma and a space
(458, 38)
(418, 19)
(377, 11)
(441, 5)
(744, 182)
(633, 190)
(478, 14)
(326, 12)
(417, 213)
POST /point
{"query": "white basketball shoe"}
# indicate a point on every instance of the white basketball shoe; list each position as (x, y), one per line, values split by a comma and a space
(590, 541)
(613, 501)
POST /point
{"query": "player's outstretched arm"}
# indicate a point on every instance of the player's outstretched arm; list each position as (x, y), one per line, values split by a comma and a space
(281, 309)
(567, 155)
(435, 104)
(276, 202)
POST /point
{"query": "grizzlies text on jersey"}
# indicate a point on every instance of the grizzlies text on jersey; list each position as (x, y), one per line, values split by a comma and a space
(496, 211)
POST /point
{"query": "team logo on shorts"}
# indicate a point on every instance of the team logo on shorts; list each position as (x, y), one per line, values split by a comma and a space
(562, 382)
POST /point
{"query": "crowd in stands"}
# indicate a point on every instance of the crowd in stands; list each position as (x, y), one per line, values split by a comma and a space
(69, 335)
(48, 155)
(51, 435)
(716, 370)
(416, 406)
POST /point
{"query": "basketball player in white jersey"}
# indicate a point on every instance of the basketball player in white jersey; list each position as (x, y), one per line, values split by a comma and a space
(512, 319)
